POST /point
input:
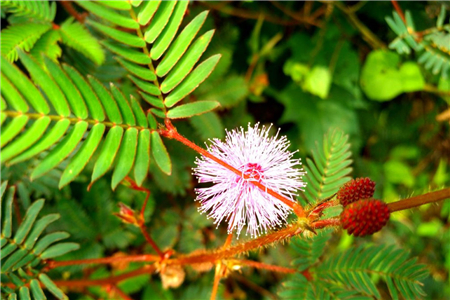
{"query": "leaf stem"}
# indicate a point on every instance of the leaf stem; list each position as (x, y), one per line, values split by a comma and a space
(399, 10)
(172, 133)
(419, 200)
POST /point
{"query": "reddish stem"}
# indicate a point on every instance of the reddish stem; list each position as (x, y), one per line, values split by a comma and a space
(419, 200)
(116, 290)
(71, 10)
(259, 265)
(105, 260)
(399, 10)
(150, 240)
(172, 133)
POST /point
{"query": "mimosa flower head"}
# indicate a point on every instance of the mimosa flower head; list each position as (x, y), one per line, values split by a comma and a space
(234, 198)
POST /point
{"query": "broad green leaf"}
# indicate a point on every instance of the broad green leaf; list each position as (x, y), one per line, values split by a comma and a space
(61, 151)
(141, 72)
(382, 80)
(180, 45)
(108, 152)
(112, 111)
(169, 32)
(28, 221)
(76, 36)
(128, 54)
(116, 4)
(109, 15)
(118, 35)
(10, 131)
(187, 62)
(44, 143)
(12, 96)
(92, 102)
(36, 290)
(48, 283)
(26, 140)
(318, 81)
(73, 96)
(154, 101)
(50, 88)
(138, 113)
(142, 157)
(147, 11)
(59, 249)
(200, 73)
(159, 21)
(23, 84)
(21, 36)
(124, 106)
(160, 154)
(145, 86)
(7, 216)
(38, 228)
(49, 239)
(191, 109)
(83, 155)
(125, 157)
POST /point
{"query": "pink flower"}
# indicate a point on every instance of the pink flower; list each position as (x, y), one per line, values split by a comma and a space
(235, 199)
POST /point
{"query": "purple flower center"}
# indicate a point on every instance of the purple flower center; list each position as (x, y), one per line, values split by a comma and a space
(251, 172)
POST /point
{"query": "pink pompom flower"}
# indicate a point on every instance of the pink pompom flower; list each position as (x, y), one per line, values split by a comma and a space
(235, 198)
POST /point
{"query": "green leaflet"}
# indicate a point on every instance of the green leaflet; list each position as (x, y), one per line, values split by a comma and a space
(159, 21)
(145, 86)
(169, 32)
(49, 139)
(62, 150)
(120, 36)
(154, 101)
(112, 111)
(73, 96)
(191, 109)
(7, 215)
(28, 221)
(126, 157)
(36, 290)
(160, 154)
(38, 228)
(12, 96)
(193, 80)
(147, 10)
(25, 86)
(40, 10)
(59, 249)
(50, 88)
(128, 54)
(92, 101)
(142, 157)
(109, 15)
(108, 152)
(21, 36)
(187, 62)
(83, 155)
(48, 283)
(141, 72)
(10, 131)
(47, 45)
(124, 107)
(26, 140)
(180, 45)
(138, 112)
(119, 5)
(76, 36)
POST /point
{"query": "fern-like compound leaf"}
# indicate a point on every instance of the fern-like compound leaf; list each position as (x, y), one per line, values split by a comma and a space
(25, 248)
(309, 250)
(36, 10)
(330, 167)
(21, 36)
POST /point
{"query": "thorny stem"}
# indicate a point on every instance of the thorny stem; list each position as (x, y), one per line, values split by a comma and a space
(172, 133)
(419, 200)
(105, 260)
(399, 10)
(141, 221)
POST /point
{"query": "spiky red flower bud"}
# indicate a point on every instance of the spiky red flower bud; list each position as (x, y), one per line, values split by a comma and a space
(365, 217)
(356, 189)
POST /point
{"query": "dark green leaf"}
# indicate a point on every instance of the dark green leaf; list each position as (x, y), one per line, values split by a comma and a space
(160, 154)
